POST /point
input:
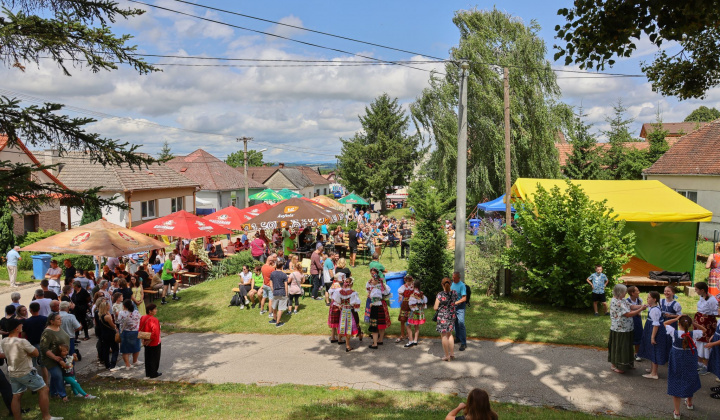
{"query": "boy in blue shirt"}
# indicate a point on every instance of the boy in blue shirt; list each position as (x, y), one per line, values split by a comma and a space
(598, 280)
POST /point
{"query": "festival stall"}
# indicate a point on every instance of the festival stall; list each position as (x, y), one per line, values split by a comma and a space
(665, 223)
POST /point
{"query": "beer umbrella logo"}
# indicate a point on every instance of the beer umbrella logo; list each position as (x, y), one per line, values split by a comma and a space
(291, 209)
(80, 239)
(128, 238)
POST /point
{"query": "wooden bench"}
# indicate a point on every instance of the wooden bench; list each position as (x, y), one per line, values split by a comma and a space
(151, 294)
(645, 281)
(192, 278)
(638, 275)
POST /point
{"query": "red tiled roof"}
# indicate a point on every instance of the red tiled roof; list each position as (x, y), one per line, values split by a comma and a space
(259, 173)
(565, 149)
(697, 153)
(210, 172)
(4, 141)
(673, 129)
(313, 175)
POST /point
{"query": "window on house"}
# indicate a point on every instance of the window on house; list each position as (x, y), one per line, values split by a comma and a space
(148, 209)
(31, 222)
(690, 195)
(176, 204)
(324, 191)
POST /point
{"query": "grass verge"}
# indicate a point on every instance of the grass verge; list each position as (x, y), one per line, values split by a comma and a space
(162, 400)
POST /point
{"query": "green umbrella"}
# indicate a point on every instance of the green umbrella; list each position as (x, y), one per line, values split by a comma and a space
(285, 193)
(353, 199)
(267, 195)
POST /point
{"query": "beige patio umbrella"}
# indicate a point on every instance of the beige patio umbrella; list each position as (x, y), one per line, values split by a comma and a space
(328, 202)
(97, 238)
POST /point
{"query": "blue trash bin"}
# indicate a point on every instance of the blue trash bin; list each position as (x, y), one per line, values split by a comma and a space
(394, 280)
(474, 226)
(41, 264)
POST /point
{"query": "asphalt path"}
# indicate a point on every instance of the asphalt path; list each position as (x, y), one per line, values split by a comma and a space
(565, 377)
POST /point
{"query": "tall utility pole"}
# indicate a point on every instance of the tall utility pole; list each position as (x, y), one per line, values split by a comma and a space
(461, 174)
(508, 185)
(245, 140)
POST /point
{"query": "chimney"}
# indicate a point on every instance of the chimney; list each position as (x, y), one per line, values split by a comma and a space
(50, 157)
(282, 165)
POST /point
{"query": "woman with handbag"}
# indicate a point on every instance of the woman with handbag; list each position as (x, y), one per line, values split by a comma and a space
(129, 323)
(150, 335)
(108, 336)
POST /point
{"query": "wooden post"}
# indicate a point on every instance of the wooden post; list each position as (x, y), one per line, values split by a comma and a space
(128, 200)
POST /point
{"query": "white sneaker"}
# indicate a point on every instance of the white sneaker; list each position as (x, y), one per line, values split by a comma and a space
(79, 396)
(116, 368)
(242, 307)
(56, 418)
(90, 397)
(247, 302)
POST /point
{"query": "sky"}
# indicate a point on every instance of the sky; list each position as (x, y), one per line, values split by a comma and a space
(298, 113)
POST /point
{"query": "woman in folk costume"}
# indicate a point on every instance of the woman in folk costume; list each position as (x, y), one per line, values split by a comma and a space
(334, 312)
(417, 304)
(714, 361)
(374, 273)
(404, 297)
(713, 263)
(706, 316)
(347, 299)
(377, 293)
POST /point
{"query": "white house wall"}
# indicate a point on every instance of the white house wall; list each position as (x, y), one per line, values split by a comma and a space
(708, 195)
(112, 215)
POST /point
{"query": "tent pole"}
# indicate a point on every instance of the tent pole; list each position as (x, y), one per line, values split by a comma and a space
(697, 232)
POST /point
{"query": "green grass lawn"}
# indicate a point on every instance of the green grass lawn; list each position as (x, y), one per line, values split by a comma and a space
(160, 400)
(24, 276)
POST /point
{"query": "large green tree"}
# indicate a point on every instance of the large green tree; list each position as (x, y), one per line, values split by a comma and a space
(63, 34)
(584, 161)
(615, 158)
(703, 114)
(429, 261)
(490, 40)
(236, 159)
(382, 155)
(597, 31)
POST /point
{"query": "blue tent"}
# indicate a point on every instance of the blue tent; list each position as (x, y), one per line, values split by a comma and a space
(495, 205)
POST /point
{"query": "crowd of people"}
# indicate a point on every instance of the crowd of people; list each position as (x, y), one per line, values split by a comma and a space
(689, 346)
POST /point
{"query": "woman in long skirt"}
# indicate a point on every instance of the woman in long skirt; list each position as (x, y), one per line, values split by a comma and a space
(347, 299)
(333, 313)
(635, 302)
(654, 345)
(620, 347)
(417, 304)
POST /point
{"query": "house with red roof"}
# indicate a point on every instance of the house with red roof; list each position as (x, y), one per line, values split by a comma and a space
(221, 185)
(692, 168)
(50, 215)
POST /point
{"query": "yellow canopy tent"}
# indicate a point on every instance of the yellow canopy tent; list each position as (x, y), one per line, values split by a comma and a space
(665, 223)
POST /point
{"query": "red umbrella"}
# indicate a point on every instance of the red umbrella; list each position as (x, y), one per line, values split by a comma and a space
(234, 218)
(181, 224)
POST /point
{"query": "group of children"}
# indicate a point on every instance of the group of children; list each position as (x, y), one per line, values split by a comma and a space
(343, 318)
(671, 338)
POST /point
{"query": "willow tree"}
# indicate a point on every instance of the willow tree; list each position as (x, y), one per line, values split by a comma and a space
(490, 40)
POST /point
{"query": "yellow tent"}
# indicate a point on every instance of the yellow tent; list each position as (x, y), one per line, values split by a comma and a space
(665, 223)
(632, 201)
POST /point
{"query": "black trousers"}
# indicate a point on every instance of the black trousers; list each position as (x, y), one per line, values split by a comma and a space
(152, 360)
(80, 313)
(405, 245)
(316, 284)
(107, 345)
(6, 391)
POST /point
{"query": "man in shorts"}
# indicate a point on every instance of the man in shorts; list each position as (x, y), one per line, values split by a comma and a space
(280, 292)
(168, 278)
(21, 373)
(598, 280)
(267, 290)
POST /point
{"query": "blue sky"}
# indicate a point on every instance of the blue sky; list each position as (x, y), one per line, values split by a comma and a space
(299, 113)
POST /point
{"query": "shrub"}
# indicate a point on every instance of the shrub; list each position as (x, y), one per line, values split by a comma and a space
(232, 265)
(484, 258)
(429, 261)
(562, 235)
(32, 237)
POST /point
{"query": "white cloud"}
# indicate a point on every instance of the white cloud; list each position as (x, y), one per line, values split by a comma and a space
(287, 31)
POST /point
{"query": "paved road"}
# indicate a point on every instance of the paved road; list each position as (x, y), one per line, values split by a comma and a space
(559, 376)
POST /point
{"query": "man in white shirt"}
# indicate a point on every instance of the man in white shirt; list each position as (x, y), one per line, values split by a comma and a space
(53, 276)
(21, 374)
(69, 324)
(43, 302)
(12, 264)
(112, 263)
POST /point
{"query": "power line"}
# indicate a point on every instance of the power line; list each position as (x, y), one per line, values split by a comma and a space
(308, 30)
(97, 114)
(278, 36)
(197, 57)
